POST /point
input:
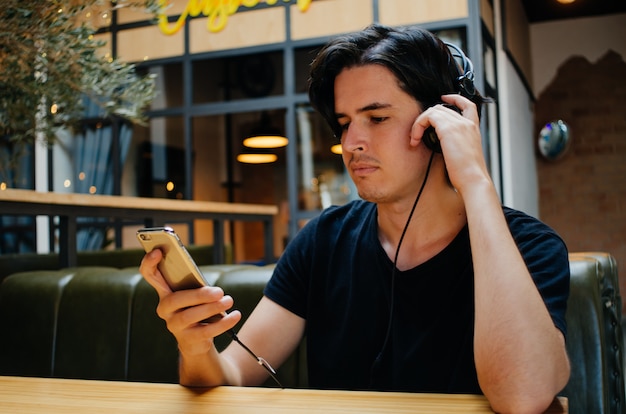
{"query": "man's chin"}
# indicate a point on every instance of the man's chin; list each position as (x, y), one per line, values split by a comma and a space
(369, 195)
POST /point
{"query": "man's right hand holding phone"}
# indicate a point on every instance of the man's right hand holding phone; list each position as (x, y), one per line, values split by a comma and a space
(186, 311)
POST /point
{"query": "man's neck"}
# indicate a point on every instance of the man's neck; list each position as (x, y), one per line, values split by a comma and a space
(434, 224)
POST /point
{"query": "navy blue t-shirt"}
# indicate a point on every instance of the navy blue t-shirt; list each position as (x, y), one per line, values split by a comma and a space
(336, 275)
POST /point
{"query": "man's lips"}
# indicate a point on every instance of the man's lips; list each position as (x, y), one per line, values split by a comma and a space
(363, 169)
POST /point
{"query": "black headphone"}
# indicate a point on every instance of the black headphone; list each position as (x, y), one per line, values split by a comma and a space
(466, 80)
(466, 88)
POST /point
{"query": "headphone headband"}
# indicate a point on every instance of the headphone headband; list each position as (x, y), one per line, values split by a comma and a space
(466, 80)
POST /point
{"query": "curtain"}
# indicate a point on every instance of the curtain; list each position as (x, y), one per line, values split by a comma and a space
(93, 163)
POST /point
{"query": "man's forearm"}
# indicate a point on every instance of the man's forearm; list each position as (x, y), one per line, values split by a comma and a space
(520, 354)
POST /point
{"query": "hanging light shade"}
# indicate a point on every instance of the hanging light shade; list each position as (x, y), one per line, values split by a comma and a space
(265, 141)
(265, 135)
(256, 158)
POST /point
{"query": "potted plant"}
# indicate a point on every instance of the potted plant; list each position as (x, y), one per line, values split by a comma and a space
(50, 66)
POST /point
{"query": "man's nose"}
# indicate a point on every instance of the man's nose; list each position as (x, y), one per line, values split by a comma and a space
(354, 139)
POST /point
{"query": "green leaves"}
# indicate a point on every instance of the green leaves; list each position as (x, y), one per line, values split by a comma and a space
(49, 61)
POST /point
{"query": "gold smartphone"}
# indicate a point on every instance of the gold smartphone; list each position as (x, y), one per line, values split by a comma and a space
(177, 266)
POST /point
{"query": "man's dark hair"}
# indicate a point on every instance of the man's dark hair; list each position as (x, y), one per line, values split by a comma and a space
(422, 63)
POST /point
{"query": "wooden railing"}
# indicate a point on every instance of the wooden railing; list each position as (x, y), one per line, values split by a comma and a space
(151, 211)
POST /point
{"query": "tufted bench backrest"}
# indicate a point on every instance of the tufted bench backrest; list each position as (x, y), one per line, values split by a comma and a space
(100, 323)
(595, 342)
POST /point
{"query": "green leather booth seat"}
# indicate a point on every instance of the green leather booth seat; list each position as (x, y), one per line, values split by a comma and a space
(100, 323)
(119, 258)
(595, 341)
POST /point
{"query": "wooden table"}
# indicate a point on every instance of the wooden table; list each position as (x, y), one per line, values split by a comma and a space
(51, 396)
(152, 211)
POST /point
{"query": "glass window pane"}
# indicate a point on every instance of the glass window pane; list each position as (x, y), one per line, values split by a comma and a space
(241, 77)
(303, 59)
(218, 141)
(489, 60)
(17, 233)
(323, 180)
(208, 80)
(210, 177)
(264, 183)
(457, 37)
(17, 160)
(155, 166)
(169, 85)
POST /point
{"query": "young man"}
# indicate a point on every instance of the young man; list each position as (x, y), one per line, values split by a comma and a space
(428, 284)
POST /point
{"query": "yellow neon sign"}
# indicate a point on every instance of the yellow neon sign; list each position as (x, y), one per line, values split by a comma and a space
(216, 11)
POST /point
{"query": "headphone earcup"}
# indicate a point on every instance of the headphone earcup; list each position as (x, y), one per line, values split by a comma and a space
(466, 86)
(431, 140)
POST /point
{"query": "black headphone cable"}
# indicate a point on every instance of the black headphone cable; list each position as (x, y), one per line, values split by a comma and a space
(379, 357)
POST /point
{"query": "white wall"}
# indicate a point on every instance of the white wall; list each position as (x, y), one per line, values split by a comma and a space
(519, 174)
(552, 43)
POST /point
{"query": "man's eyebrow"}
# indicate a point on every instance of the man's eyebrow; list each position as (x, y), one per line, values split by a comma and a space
(370, 107)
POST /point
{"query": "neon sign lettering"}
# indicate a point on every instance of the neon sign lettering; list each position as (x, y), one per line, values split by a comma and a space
(216, 11)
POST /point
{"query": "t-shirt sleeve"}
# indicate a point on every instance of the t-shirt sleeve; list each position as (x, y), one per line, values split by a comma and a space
(546, 256)
(289, 283)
